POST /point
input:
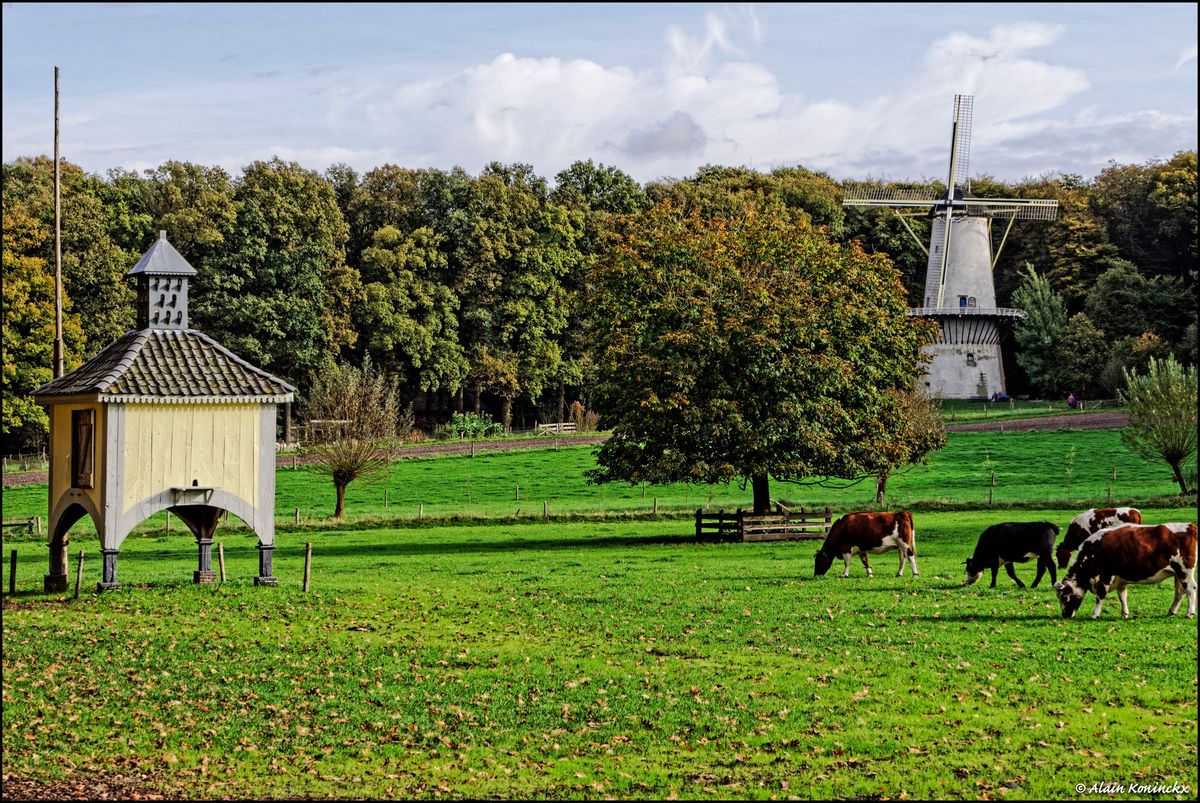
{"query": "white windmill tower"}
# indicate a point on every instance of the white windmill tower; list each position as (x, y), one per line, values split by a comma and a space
(960, 293)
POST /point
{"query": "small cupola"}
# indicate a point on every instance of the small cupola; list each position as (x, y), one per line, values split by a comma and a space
(162, 287)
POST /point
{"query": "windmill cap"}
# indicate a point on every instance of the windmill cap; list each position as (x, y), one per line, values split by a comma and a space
(162, 260)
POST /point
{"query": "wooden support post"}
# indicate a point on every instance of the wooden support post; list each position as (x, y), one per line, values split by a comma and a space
(221, 560)
(79, 574)
(545, 511)
(38, 524)
(643, 490)
(297, 515)
(828, 519)
(699, 520)
(12, 573)
(307, 563)
(293, 462)
(385, 498)
(472, 448)
(655, 511)
(421, 512)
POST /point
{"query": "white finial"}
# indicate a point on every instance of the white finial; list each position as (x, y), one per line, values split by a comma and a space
(162, 234)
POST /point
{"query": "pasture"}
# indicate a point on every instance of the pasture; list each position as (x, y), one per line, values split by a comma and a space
(611, 657)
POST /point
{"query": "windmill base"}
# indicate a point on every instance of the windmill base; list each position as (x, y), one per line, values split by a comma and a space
(964, 370)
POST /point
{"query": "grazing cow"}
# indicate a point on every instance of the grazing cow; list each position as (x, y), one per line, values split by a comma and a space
(863, 533)
(1092, 521)
(1014, 542)
(1147, 553)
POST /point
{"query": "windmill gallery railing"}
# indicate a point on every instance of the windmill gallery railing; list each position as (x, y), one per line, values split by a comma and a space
(988, 312)
(794, 525)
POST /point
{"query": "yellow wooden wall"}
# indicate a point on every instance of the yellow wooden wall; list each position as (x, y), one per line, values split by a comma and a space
(170, 445)
(62, 443)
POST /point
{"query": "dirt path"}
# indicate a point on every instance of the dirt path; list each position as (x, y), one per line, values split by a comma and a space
(1098, 420)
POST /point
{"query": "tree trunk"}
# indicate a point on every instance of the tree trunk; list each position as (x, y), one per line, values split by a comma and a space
(507, 415)
(478, 401)
(341, 500)
(458, 400)
(762, 494)
(880, 487)
(1177, 469)
(562, 402)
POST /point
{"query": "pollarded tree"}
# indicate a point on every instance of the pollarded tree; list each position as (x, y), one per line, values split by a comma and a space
(1162, 415)
(358, 411)
(741, 352)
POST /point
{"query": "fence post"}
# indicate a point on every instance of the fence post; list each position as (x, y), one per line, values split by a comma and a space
(37, 520)
(545, 510)
(307, 563)
(991, 488)
(297, 515)
(221, 560)
(828, 519)
(421, 512)
(12, 573)
(655, 506)
(385, 498)
(517, 493)
(698, 521)
(168, 522)
(741, 524)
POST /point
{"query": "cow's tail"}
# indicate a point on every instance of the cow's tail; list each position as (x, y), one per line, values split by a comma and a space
(909, 533)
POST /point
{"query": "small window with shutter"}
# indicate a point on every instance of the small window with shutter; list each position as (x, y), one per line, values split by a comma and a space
(82, 441)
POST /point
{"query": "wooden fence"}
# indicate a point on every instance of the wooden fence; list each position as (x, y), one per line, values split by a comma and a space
(742, 526)
(568, 426)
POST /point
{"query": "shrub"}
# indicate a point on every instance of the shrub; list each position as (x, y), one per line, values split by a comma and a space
(469, 425)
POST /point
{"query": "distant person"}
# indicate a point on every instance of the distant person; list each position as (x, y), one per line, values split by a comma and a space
(1071, 401)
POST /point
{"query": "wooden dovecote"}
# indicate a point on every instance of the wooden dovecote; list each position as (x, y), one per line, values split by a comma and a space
(164, 418)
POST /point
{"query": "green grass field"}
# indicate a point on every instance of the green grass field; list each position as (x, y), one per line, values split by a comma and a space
(604, 658)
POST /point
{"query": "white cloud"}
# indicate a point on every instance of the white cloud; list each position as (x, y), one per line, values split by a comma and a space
(1186, 56)
(708, 101)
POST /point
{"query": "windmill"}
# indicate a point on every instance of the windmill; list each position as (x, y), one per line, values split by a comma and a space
(960, 293)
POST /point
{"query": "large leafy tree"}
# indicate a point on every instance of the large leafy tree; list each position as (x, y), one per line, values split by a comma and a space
(194, 204)
(1080, 356)
(408, 318)
(1162, 415)
(1125, 303)
(278, 292)
(1038, 334)
(742, 351)
(28, 342)
(94, 266)
(511, 248)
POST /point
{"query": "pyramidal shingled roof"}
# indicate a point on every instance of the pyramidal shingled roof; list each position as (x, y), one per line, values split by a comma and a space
(168, 365)
(162, 258)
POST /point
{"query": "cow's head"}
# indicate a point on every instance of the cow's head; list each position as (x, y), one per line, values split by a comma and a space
(823, 562)
(974, 571)
(1063, 553)
(1070, 596)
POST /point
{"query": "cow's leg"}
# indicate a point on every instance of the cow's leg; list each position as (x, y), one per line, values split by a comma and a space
(846, 557)
(912, 561)
(1123, 595)
(1191, 591)
(1100, 589)
(1008, 567)
(1046, 563)
(995, 567)
(903, 550)
(866, 564)
(1180, 589)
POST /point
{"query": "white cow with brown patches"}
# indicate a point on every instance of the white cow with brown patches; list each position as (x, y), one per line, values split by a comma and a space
(1148, 554)
(1093, 521)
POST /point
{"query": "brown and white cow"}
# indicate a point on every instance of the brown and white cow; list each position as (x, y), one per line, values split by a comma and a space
(1136, 553)
(869, 533)
(1089, 522)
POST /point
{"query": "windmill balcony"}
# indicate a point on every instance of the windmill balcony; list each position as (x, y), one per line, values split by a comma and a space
(958, 312)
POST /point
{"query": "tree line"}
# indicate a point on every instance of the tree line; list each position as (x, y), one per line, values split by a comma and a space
(475, 291)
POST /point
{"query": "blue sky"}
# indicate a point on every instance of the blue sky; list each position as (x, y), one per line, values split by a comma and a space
(658, 90)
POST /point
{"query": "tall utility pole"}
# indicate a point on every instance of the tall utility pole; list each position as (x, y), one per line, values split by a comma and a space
(58, 337)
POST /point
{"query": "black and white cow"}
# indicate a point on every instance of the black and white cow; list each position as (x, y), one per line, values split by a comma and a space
(868, 533)
(1014, 542)
(1136, 553)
